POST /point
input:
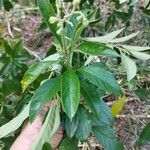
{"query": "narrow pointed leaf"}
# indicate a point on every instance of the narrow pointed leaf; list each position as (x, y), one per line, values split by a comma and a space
(15, 123)
(70, 92)
(135, 48)
(124, 39)
(101, 78)
(140, 55)
(43, 94)
(49, 127)
(106, 38)
(129, 66)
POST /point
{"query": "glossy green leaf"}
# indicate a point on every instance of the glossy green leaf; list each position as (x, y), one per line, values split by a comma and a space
(107, 137)
(144, 137)
(47, 11)
(42, 95)
(135, 48)
(70, 92)
(38, 68)
(15, 123)
(84, 125)
(69, 144)
(91, 97)
(91, 48)
(49, 127)
(101, 78)
(129, 66)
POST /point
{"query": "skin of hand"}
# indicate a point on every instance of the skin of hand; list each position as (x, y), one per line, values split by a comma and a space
(29, 133)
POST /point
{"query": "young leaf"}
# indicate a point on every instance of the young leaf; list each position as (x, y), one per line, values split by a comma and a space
(49, 127)
(117, 107)
(129, 66)
(107, 137)
(140, 55)
(101, 78)
(135, 48)
(91, 48)
(70, 90)
(84, 126)
(144, 137)
(43, 94)
(105, 38)
(91, 97)
(69, 144)
(47, 11)
(124, 39)
(15, 123)
(36, 69)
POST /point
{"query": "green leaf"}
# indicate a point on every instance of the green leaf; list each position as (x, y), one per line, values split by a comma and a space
(91, 97)
(70, 92)
(38, 68)
(101, 78)
(69, 144)
(91, 48)
(7, 5)
(15, 123)
(106, 38)
(47, 146)
(8, 48)
(129, 66)
(135, 48)
(71, 126)
(107, 137)
(124, 39)
(84, 125)
(140, 55)
(42, 95)
(105, 115)
(47, 11)
(49, 127)
(144, 137)
(143, 94)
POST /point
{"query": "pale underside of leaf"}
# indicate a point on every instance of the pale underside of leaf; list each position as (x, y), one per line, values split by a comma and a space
(15, 123)
(49, 127)
(140, 55)
(135, 48)
(129, 66)
(105, 38)
(124, 39)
